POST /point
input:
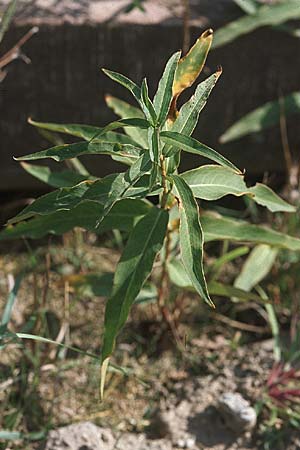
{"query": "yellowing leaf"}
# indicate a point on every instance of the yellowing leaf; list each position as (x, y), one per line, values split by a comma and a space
(190, 66)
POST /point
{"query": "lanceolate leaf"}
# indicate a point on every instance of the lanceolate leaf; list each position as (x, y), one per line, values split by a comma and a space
(187, 118)
(212, 182)
(66, 178)
(68, 151)
(123, 185)
(122, 216)
(88, 133)
(154, 150)
(147, 104)
(6, 18)
(132, 271)
(124, 110)
(265, 15)
(126, 82)
(179, 277)
(256, 267)
(63, 199)
(190, 66)
(191, 238)
(263, 117)
(264, 196)
(12, 296)
(191, 145)
(216, 227)
(163, 96)
(248, 6)
(106, 191)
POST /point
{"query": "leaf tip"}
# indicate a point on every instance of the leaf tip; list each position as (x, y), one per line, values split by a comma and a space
(207, 33)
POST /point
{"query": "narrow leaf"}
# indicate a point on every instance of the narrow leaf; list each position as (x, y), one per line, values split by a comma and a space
(256, 267)
(154, 151)
(122, 216)
(7, 17)
(264, 196)
(147, 104)
(126, 82)
(190, 66)
(86, 132)
(124, 110)
(106, 191)
(216, 227)
(187, 118)
(66, 178)
(212, 182)
(191, 145)
(68, 151)
(11, 300)
(179, 277)
(133, 269)
(263, 117)
(264, 15)
(163, 96)
(191, 238)
(248, 6)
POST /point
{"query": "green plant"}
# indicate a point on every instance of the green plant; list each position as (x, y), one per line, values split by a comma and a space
(156, 135)
(258, 15)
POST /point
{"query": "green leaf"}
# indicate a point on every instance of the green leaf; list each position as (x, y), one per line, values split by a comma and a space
(190, 66)
(163, 97)
(65, 199)
(66, 178)
(248, 6)
(126, 82)
(124, 185)
(212, 182)
(124, 110)
(105, 191)
(179, 277)
(67, 151)
(232, 292)
(154, 151)
(7, 17)
(11, 300)
(191, 145)
(264, 15)
(188, 115)
(187, 118)
(85, 132)
(263, 117)
(216, 227)
(264, 196)
(275, 331)
(256, 267)
(147, 104)
(122, 216)
(191, 238)
(133, 269)
(229, 256)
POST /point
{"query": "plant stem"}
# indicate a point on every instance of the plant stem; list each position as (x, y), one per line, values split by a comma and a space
(164, 198)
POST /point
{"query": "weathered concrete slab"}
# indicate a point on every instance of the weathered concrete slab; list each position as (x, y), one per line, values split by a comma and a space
(77, 37)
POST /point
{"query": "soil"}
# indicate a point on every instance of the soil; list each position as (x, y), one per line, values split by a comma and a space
(169, 397)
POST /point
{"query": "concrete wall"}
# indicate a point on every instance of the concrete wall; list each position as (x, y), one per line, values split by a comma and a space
(76, 38)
